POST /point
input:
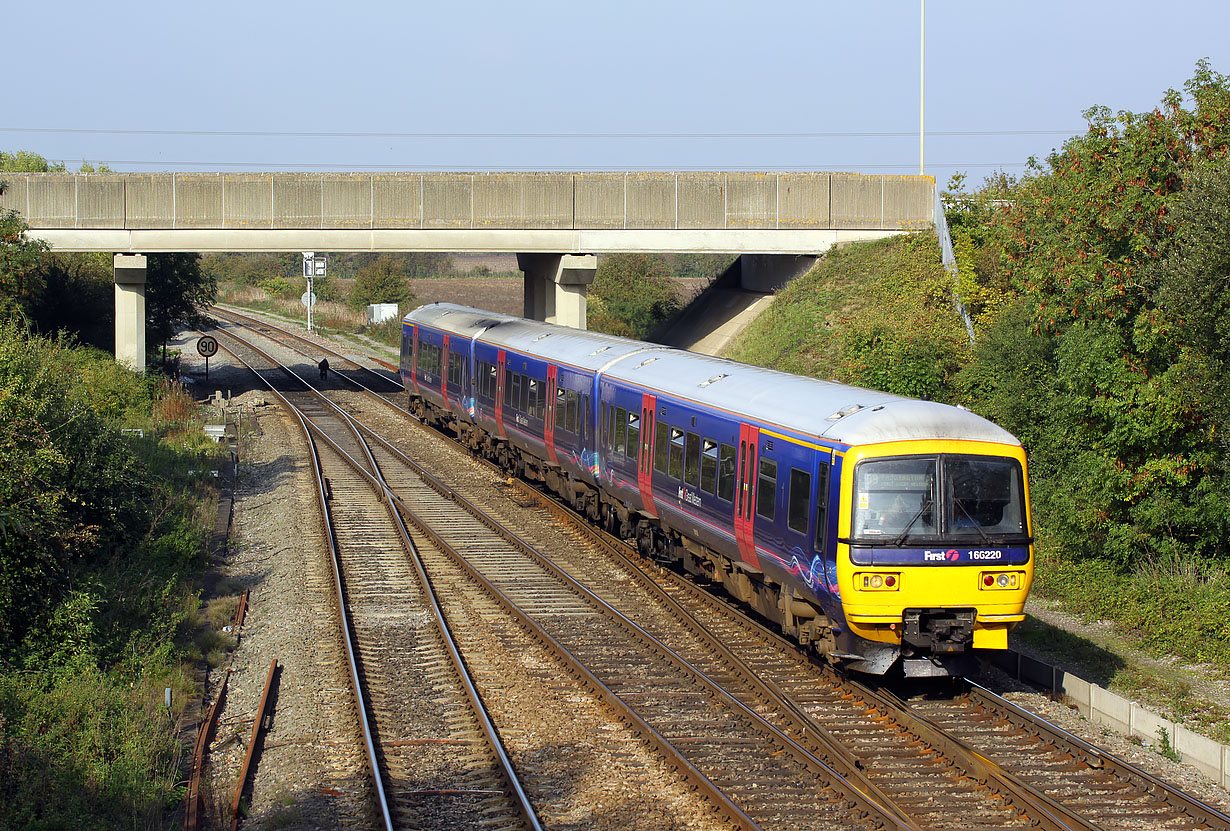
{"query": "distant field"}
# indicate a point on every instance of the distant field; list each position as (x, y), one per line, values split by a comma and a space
(495, 294)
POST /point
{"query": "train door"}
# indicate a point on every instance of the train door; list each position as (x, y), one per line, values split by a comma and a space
(500, 360)
(825, 515)
(548, 423)
(644, 467)
(796, 477)
(414, 357)
(444, 371)
(745, 496)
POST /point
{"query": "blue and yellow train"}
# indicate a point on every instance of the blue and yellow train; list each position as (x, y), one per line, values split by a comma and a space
(880, 530)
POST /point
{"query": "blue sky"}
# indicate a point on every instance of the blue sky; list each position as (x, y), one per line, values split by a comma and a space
(586, 85)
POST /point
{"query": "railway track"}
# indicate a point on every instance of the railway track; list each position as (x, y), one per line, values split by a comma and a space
(691, 718)
(915, 766)
(440, 766)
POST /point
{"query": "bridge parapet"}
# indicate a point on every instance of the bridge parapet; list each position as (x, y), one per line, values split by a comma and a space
(680, 201)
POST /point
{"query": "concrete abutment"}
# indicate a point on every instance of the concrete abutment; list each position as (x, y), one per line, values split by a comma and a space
(129, 270)
(557, 286)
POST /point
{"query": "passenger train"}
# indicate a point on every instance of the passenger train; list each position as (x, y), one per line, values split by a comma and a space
(877, 529)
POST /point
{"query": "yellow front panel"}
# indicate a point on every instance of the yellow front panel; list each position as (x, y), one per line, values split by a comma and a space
(927, 586)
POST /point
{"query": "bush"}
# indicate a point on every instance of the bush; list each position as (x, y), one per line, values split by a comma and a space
(98, 531)
(631, 295)
(381, 282)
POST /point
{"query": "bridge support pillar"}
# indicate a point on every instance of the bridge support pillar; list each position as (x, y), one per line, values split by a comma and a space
(557, 286)
(129, 272)
(770, 272)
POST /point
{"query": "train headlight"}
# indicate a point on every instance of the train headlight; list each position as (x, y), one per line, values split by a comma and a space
(1002, 580)
(877, 581)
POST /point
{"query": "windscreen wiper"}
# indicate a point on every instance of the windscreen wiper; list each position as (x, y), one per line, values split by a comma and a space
(905, 532)
(977, 525)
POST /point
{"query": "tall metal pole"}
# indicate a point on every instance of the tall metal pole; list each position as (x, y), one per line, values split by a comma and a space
(922, 68)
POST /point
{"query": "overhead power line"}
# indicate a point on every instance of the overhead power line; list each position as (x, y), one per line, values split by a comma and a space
(516, 135)
(454, 168)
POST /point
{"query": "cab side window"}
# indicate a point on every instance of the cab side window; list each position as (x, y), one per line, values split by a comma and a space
(822, 506)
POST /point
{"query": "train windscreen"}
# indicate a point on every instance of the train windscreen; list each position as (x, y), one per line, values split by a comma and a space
(929, 499)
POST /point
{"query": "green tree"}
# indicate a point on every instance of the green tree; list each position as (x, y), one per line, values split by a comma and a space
(177, 292)
(71, 493)
(1194, 294)
(76, 298)
(382, 281)
(20, 259)
(24, 161)
(1120, 444)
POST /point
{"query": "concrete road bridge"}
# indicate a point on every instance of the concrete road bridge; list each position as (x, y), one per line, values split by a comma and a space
(778, 223)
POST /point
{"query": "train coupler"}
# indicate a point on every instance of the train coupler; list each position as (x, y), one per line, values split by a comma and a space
(942, 631)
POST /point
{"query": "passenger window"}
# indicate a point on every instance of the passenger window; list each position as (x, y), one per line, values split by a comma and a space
(708, 465)
(621, 430)
(766, 489)
(610, 426)
(634, 435)
(514, 394)
(509, 398)
(800, 499)
(691, 461)
(675, 467)
(726, 472)
(661, 447)
(534, 403)
(573, 417)
(822, 507)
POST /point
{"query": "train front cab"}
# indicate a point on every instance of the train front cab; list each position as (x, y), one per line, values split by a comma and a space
(934, 553)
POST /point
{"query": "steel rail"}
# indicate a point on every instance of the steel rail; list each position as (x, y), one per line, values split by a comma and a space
(249, 757)
(446, 636)
(844, 767)
(256, 324)
(1049, 814)
(863, 792)
(695, 776)
(1099, 758)
(348, 637)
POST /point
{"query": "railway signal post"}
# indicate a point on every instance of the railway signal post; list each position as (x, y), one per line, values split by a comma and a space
(313, 266)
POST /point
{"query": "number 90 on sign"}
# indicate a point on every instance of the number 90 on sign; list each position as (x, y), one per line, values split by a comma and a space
(207, 346)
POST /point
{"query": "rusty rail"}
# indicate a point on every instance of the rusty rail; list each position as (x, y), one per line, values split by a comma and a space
(194, 803)
(256, 731)
(242, 611)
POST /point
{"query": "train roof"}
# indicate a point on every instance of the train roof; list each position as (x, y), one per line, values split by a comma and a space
(846, 414)
(460, 319)
(591, 351)
(838, 412)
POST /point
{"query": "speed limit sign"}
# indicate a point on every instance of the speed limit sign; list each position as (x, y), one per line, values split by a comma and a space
(207, 346)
